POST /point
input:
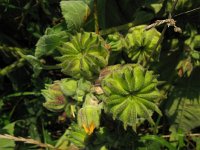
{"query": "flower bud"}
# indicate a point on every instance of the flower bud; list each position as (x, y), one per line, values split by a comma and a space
(141, 43)
(184, 67)
(89, 118)
(55, 99)
(68, 86)
(116, 41)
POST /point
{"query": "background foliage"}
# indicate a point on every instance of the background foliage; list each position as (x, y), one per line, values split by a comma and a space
(46, 55)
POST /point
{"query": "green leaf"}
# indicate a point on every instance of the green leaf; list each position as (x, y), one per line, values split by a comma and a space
(1, 103)
(183, 107)
(76, 135)
(177, 137)
(75, 13)
(63, 142)
(197, 140)
(158, 139)
(53, 37)
(5, 143)
(155, 5)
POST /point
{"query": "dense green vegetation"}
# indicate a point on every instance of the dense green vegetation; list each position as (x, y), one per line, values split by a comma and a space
(99, 74)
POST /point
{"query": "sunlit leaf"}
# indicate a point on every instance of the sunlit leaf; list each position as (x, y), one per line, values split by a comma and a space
(75, 13)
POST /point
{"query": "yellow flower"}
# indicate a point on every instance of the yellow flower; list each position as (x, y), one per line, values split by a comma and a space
(89, 129)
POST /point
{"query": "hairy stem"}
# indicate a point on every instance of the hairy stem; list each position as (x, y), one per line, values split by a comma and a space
(16, 50)
(51, 67)
(96, 17)
(23, 94)
(19, 63)
(118, 28)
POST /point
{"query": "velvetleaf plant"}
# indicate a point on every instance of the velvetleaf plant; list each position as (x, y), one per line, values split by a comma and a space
(104, 85)
(100, 82)
(128, 92)
(131, 88)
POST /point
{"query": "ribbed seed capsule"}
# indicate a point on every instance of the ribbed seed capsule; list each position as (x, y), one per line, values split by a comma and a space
(140, 44)
(138, 77)
(136, 103)
(83, 56)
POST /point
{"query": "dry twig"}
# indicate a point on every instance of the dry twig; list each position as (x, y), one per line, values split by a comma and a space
(27, 140)
(169, 22)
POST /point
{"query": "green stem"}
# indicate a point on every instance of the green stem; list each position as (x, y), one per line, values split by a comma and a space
(155, 129)
(48, 67)
(23, 94)
(118, 28)
(96, 17)
(17, 50)
(19, 63)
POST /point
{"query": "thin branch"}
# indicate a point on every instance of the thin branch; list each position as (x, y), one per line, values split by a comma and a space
(187, 135)
(187, 12)
(133, 23)
(96, 17)
(169, 22)
(162, 33)
(28, 141)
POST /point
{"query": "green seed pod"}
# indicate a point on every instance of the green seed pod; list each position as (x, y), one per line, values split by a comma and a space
(192, 45)
(116, 41)
(83, 56)
(89, 118)
(140, 44)
(55, 99)
(131, 94)
(84, 87)
(76, 89)
(185, 66)
(68, 86)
